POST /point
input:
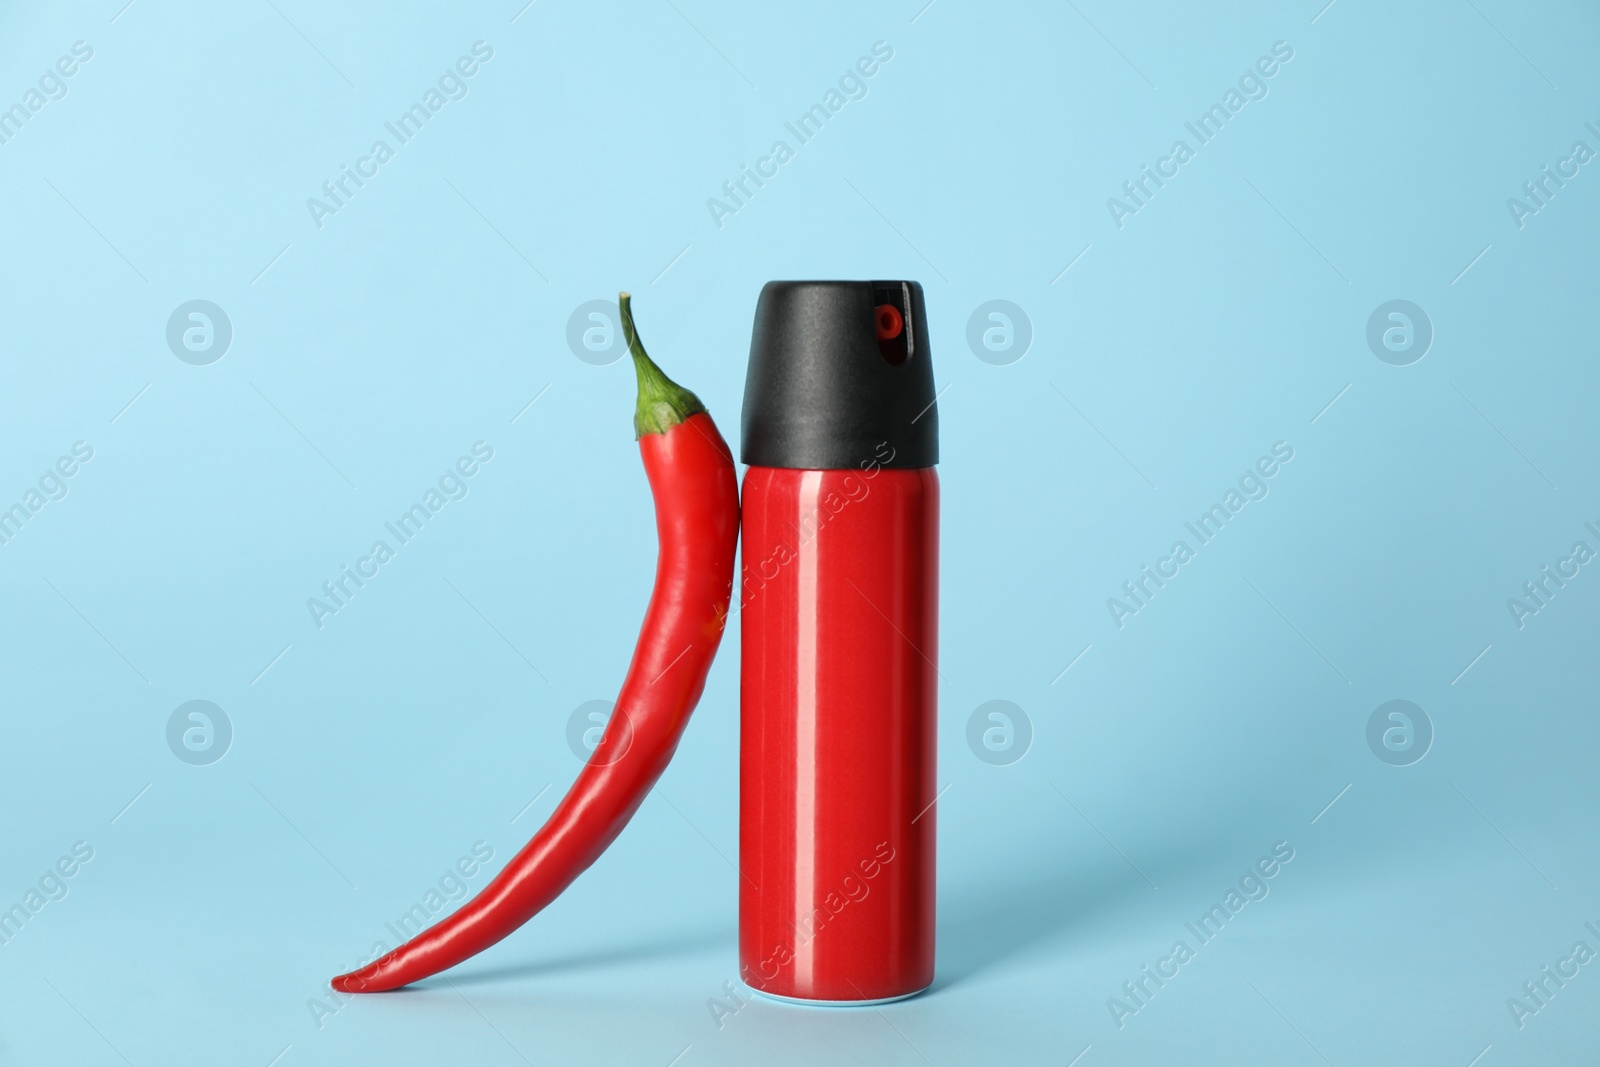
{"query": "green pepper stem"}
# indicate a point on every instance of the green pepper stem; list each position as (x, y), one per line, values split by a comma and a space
(663, 403)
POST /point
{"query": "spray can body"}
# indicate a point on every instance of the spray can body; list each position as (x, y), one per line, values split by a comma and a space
(839, 641)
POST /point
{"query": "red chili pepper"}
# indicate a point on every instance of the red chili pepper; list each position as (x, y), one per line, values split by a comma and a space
(691, 476)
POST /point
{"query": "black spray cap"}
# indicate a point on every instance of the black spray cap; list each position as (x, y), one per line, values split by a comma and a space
(838, 370)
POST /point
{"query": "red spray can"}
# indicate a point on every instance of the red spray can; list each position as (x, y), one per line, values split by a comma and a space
(839, 640)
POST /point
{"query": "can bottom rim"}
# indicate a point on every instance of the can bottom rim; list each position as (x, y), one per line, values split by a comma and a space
(811, 1002)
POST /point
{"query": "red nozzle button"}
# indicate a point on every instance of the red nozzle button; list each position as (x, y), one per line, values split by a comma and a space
(888, 321)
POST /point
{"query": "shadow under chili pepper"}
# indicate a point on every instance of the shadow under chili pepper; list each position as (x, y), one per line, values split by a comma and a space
(680, 944)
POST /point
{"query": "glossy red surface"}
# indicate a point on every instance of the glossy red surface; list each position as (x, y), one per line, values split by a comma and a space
(697, 516)
(839, 629)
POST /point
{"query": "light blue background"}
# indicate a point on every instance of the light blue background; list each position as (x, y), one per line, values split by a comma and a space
(427, 313)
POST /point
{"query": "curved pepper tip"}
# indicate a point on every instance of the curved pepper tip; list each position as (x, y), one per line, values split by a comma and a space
(358, 981)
